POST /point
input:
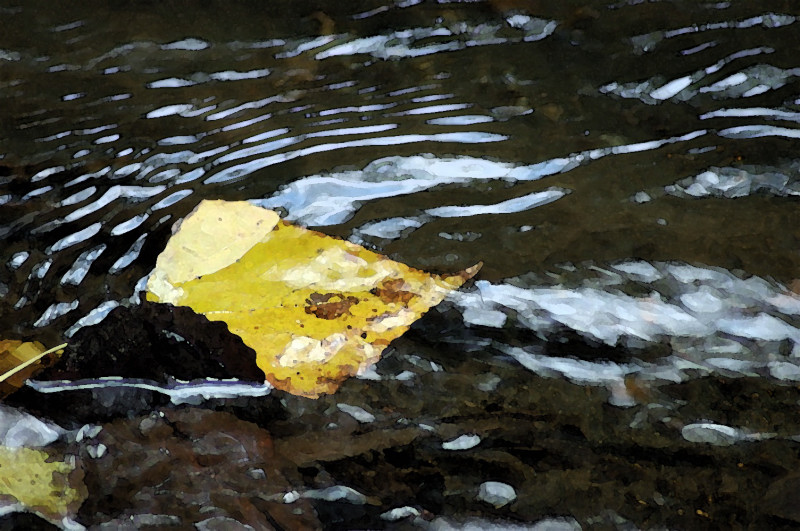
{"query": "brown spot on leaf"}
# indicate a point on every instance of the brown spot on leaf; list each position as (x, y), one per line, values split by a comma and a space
(391, 291)
(329, 305)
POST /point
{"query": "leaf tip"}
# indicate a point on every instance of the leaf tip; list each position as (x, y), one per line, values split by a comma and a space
(471, 271)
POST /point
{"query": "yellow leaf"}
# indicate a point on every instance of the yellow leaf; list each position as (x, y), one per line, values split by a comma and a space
(315, 309)
(32, 478)
(19, 361)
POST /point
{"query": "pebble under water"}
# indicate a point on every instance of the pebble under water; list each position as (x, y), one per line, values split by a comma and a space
(627, 358)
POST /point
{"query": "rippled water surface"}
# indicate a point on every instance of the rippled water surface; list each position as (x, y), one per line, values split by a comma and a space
(627, 172)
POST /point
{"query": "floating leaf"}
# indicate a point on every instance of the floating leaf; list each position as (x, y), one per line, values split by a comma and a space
(41, 484)
(314, 308)
(19, 361)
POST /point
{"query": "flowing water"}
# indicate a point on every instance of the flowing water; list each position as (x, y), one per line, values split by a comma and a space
(627, 171)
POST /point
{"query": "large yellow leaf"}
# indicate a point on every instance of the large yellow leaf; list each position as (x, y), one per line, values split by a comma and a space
(315, 309)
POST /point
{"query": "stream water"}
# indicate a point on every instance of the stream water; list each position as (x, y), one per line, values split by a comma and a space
(627, 171)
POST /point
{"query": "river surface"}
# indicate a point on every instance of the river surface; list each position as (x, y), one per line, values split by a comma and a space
(627, 172)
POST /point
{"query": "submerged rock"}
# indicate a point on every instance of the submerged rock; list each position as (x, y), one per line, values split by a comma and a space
(781, 498)
(140, 358)
(154, 341)
(190, 467)
(707, 432)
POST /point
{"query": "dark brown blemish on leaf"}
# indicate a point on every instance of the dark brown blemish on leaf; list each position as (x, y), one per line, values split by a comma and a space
(391, 291)
(329, 305)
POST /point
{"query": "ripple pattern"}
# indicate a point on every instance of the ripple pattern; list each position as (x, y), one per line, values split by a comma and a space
(119, 137)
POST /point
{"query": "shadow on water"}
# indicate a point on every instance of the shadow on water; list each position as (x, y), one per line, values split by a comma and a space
(626, 171)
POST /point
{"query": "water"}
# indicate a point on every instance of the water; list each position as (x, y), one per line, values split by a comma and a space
(626, 171)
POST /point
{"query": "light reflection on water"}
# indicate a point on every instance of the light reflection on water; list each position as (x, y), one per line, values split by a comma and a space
(223, 138)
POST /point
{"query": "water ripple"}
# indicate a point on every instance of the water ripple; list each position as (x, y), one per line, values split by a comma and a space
(647, 42)
(165, 119)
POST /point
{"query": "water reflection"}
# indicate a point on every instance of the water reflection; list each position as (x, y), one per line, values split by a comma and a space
(714, 321)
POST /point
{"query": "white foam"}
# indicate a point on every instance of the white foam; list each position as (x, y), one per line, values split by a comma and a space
(80, 268)
(462, 442)
(55, 311)
(730, 81)
(362, 130)
(672, 88)
(752, 112)
(43, 174)
(755, 91)
(179, 391)
(171, 199)
(41, 269)
(170, 110)
(93, 317)
(190, 44)
(750, 81)
(517, 204)
(338, 493)
(77, 237)
(783, 370)
(599, 314)
(18, 259)
(233, 75)
(484, 317)
(496, 493)
(465, 119)
(306, 46)
(406, 43)
(399, 513)
(710, 433)
(79, 196)
(129, 225)
(37, 192)
(394, 45)
(576, 370)
(358, 413)
(432, 109)
(257, 104)
(190, 176)
(390, 228)
(178, 140)
(713, 320)
(126, 170)
(735, 367)
(704, 300)
(639, 270)
(263, 136)
(762, 327)
(239, 171)
(756, 131)
(130, 255)
(483, 524)
(333, 198)
(171, 82)
(107, 139)
(112, 194)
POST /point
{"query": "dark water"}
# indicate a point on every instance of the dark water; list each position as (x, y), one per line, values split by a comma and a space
(627, 172)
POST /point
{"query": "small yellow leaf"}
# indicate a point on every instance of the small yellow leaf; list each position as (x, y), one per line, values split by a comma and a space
(19, 361)
(32, 478)
(315, 309)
